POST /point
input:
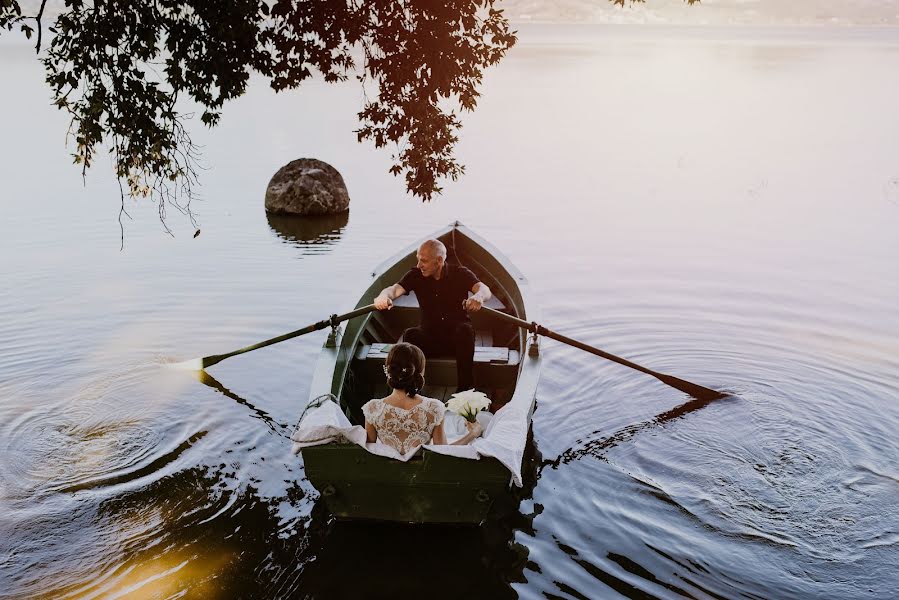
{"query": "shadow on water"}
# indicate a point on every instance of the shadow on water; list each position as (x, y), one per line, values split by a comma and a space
(309, 231)
(597, 448)
(208, 380)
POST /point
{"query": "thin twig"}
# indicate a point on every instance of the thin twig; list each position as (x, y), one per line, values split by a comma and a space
(40, 14)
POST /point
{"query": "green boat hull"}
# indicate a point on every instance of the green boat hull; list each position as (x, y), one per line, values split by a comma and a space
(431, 487)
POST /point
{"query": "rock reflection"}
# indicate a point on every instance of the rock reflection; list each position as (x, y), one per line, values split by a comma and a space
(309, 231)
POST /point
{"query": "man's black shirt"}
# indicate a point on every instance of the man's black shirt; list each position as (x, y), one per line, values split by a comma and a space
(441, 299)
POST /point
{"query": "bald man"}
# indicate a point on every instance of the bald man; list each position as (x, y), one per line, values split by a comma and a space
(442, 292)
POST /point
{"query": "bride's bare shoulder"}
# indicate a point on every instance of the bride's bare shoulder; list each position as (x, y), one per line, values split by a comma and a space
(432, 401)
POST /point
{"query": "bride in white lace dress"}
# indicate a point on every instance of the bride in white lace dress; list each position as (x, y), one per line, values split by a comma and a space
(405, 419)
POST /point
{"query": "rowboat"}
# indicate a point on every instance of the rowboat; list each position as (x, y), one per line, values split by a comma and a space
(432, 487)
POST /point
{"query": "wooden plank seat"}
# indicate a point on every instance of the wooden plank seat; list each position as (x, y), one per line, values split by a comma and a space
(494, 366)
(405, 313)
(438, 392)
(410, 300)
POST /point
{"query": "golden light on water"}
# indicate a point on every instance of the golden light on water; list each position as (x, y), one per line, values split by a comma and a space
(167, 576)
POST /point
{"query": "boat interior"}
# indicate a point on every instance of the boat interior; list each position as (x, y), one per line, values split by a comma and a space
(497, 357)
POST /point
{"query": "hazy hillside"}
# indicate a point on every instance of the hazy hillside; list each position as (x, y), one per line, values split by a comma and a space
(761, 12)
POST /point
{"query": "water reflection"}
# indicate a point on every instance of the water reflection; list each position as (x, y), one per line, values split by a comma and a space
(207, 529)
(396, 561)
(208, 380)
(390, 561)
(196, 533)
(598, 447)
(309, 231)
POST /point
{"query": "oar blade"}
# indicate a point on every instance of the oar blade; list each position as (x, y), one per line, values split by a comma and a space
(197, 364)
(697, 391)
(194, 364)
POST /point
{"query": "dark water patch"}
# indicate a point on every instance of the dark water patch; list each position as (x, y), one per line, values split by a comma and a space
(391, 561)
(632, 567)
(564, 587)
(612, 581)
(157, 465)
(196, 532)
(689, 566)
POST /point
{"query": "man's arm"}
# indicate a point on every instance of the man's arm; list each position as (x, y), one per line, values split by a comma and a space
(481, 294)
(385, 299)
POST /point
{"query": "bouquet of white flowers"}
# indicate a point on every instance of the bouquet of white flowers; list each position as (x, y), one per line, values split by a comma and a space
(468, 403)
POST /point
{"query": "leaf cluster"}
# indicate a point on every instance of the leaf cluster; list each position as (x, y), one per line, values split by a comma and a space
(11, 15)
(120, 69)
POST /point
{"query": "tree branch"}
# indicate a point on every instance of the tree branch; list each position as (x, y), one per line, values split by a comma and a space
(40, 14)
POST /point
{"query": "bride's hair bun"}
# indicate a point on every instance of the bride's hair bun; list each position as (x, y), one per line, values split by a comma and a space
(405, 368)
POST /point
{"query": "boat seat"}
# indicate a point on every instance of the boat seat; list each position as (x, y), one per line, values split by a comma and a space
(410, 300)
(494, 366)
(405, 313)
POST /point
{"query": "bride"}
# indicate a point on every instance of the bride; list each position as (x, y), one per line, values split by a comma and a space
(405, 419)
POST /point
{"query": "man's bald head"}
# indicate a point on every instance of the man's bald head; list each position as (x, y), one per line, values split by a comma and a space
(434, 248)
(431, 257)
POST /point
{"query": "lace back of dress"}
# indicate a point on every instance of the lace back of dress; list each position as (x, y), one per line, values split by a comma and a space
(404, 430)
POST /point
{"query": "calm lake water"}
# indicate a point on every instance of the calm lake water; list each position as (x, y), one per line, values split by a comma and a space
(717, 204)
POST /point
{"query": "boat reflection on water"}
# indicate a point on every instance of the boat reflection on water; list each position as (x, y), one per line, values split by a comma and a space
(396, 561)
(309, 231)
(391, 560)
(388, 560)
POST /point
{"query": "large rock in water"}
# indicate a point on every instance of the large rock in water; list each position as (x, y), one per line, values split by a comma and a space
(307, 186)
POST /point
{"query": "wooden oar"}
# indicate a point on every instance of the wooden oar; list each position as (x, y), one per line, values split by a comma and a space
(197, 364)
(695, 390)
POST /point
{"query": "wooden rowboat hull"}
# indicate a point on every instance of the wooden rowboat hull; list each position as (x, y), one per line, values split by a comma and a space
(432, 487)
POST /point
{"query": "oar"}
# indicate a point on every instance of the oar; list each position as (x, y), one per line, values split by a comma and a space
(697, 391)
(197, 364)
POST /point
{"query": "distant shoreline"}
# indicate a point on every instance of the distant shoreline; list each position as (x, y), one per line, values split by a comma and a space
(598, 33)
(760, 13)
(681, 24)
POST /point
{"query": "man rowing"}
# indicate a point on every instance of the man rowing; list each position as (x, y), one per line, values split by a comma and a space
(442, 292)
